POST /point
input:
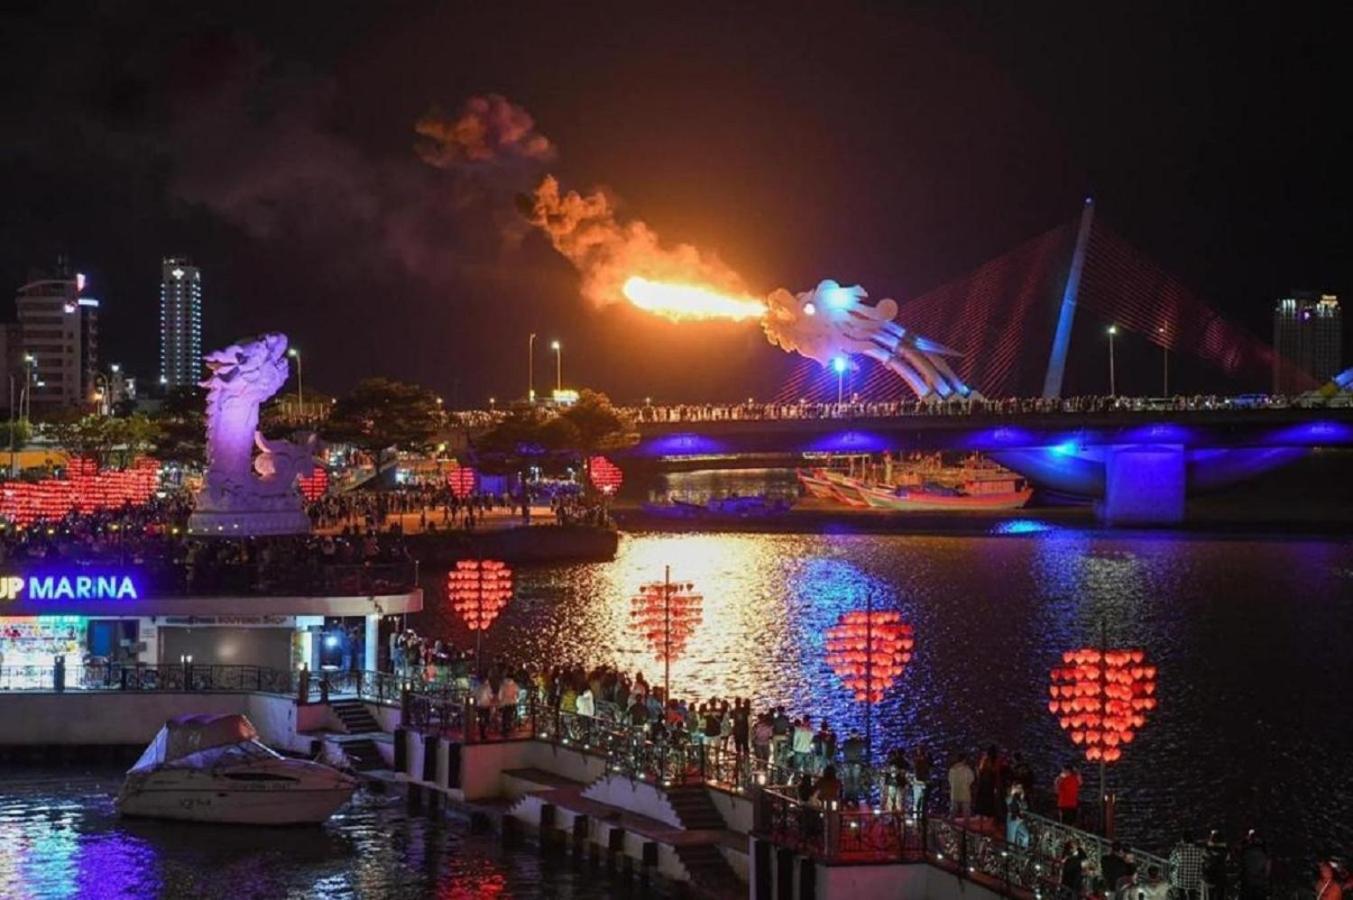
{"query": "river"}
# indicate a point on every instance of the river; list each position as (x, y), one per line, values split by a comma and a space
(1253, 639)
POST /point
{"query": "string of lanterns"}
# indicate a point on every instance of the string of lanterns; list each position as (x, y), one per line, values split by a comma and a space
(667, 614)
(869, 650)
(478, 591)
(84, 489)
(1101, 698)
(606, 475)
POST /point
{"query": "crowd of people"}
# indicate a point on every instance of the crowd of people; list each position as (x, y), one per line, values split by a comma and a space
(855, 407)
(993, 790)
(438, 507)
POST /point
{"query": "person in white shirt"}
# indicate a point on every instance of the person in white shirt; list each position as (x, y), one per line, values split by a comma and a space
(507, 702)
(961, 778)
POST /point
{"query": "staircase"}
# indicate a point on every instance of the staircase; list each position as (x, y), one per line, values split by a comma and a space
(710, 872)
(356, 718)
(364, 754)
(693, 807)
(707, 867)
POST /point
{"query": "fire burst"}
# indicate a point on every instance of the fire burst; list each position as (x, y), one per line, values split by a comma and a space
(683, 302)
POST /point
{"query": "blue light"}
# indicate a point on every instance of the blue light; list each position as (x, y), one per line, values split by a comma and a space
(1021, 526)
(838, 297)
(1065, 448)
(331, 640)
(840, 364)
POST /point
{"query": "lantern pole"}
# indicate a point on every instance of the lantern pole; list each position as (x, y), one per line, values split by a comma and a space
(479, 609)
(869, 678)
(666, 637)
(1103, 710)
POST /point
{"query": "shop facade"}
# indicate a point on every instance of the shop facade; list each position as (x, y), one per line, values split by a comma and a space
(75, 626)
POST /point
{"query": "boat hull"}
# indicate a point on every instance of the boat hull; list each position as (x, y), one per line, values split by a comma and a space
(922, 501)
(194, 796)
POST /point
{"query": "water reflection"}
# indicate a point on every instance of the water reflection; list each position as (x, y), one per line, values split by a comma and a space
(1232, 625)
(60, 837)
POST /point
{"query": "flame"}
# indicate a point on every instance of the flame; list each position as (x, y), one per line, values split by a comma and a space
(686, 302)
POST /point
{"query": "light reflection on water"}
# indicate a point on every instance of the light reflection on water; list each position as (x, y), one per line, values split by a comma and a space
(60, 836)
(1232, 624)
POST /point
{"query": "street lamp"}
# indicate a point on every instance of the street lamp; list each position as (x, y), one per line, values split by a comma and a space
(26, 396)
(300, 380)
(840, 364)
(492, 402)
(531, 368)
(558, 365)
(1113, 329)
(1164, 363)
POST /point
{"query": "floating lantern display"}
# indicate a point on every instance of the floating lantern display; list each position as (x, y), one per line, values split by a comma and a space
(462, 481)
(606, 475)
(1101, 699)
(479, 589)
(667, 613)
(85, 489)
(869, 650)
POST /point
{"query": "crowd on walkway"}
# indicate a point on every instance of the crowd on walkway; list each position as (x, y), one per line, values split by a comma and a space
(994, 790)
(855, 407)
(439, 508)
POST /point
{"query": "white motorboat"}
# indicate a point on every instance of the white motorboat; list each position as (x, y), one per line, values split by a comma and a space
(215, 769)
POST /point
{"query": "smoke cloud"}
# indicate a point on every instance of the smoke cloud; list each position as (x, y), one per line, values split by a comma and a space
(489, 129)
(587, 231)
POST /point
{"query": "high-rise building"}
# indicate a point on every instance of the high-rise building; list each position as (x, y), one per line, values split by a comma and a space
(57, 351)
(180, 323)
(1308, 335)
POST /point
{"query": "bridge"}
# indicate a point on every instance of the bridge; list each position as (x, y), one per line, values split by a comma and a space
(1141, 464)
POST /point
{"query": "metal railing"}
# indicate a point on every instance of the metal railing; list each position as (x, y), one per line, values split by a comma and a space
(316, 686)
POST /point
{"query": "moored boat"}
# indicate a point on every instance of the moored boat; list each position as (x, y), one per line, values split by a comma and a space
(215, 769)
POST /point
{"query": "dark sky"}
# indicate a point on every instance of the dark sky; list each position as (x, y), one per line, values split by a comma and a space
(895, 145)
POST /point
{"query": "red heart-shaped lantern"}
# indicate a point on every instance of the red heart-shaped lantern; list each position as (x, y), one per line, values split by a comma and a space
(606, 475)
(462, 480)
(666, 614)
(1101, 698)
(869, 651)
(479, 589)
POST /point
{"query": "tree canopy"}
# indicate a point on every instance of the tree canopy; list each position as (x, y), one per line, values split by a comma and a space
(381, 412)
(592, 425)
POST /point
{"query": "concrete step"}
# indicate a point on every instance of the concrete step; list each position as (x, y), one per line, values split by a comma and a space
(709, 871)
(354, 715)
(364, 755)
(694, 808)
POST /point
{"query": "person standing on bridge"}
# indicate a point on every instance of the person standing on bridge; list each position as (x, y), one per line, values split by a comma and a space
(961, 778)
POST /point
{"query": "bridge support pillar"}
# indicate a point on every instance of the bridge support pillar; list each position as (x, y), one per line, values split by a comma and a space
(1144, 484)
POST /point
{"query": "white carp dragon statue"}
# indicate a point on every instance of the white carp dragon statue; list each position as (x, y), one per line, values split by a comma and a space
(243, 495)
(832, 324)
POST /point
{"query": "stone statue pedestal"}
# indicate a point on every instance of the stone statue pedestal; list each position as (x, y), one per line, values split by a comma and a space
(243, 523)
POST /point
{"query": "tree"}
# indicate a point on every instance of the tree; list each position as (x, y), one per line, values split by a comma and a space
(181, 427)
(380, 413)
(600, 426)
(104, 439)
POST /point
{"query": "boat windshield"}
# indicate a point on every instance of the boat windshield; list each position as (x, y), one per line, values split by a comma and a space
(228, 755)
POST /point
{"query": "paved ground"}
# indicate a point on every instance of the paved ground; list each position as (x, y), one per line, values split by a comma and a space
(494, 519)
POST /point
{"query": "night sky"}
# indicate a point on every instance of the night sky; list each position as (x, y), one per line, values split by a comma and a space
(893, 145)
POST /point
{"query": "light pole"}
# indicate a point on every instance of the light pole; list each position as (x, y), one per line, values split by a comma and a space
(26, 396)
(300, 381)
(558, 365)
(1164, 363)
(531, 368)
(840, 365)
(1113, 329)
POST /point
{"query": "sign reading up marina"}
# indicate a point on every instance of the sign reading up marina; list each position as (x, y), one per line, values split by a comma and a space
(62, 586)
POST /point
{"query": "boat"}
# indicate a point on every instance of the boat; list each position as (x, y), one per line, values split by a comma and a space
(814, 485)
(730, 507)
(933, 497)
(213, 768)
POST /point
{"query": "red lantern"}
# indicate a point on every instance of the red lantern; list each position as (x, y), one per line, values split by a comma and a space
(462, 481)
(606, 475)
(85, 489)
(1101, 698)
(478, 590)
(667, 615)
(315, 485)
(869, 651)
